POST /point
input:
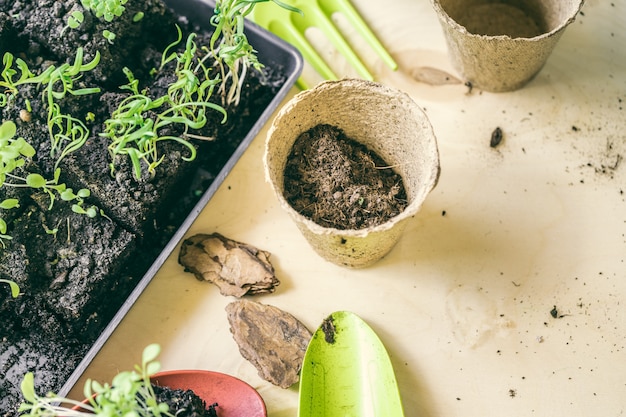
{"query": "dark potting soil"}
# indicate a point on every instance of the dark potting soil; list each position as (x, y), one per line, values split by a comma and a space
(339, 183)
(75, 272)
(185, 403)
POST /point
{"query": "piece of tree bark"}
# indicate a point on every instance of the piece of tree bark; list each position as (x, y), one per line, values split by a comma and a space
(273, 340)
(236, 268)
(433, 76)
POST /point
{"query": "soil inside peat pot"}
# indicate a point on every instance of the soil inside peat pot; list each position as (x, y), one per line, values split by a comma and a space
(74, 270)
(339, 183)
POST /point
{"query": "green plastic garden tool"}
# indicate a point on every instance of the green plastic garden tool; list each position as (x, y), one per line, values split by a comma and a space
(291, 27)
(347, 372)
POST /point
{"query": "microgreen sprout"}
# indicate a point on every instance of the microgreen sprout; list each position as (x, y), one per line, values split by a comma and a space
(130, 393)
(53, 231)
(6, 204)
(134, 134)
(108, 10)
(67, 133)
(55, 190)
(230, 47)
(13, 151)
(105, 9)
(7, 81)
(108, 35)
(13, 154)
(15, 289)
(74, 20)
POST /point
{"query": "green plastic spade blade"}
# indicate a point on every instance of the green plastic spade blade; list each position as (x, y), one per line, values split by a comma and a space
(347, 372)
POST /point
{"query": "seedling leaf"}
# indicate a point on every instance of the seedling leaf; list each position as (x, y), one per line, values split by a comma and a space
(150, 353)
(35, 181)
(153, 367)
(9, 203)
(75, 19)
(28, 388)
(7, 130)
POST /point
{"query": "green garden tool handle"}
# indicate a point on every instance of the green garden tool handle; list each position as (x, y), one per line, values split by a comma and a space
(344, 6)
(291, 27)
(292, 35)
(315, 17)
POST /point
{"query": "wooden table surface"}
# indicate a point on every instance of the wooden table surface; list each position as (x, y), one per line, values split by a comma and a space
(463, 303)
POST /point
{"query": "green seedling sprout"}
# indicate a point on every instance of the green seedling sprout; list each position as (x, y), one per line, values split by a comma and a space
(230, 47)
(13, 154)
(105, 9)
(52, 232)
(74, 20)
(55, 189)
(67, 133)
(136, 136)
(13, 151)
(9, 84)
(6, 204)
(15, 289)
(109, 36)
(130, 393)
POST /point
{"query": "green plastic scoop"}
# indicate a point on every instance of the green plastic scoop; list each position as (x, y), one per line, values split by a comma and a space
(347, 372)
(291, 27)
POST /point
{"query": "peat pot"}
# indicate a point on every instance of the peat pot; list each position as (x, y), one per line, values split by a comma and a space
(501, 45)
(386, 121)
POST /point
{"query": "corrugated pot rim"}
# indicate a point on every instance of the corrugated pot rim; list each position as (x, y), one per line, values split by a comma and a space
(441, 12)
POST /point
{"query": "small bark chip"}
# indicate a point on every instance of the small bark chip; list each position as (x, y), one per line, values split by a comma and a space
(272, 340)
(236, 268)
(433, 76)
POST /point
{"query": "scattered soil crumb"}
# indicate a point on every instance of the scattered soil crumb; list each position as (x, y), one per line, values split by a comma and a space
(337, 182)
(496, 137)
(554, 312)
(328, 327)
(608, 161)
